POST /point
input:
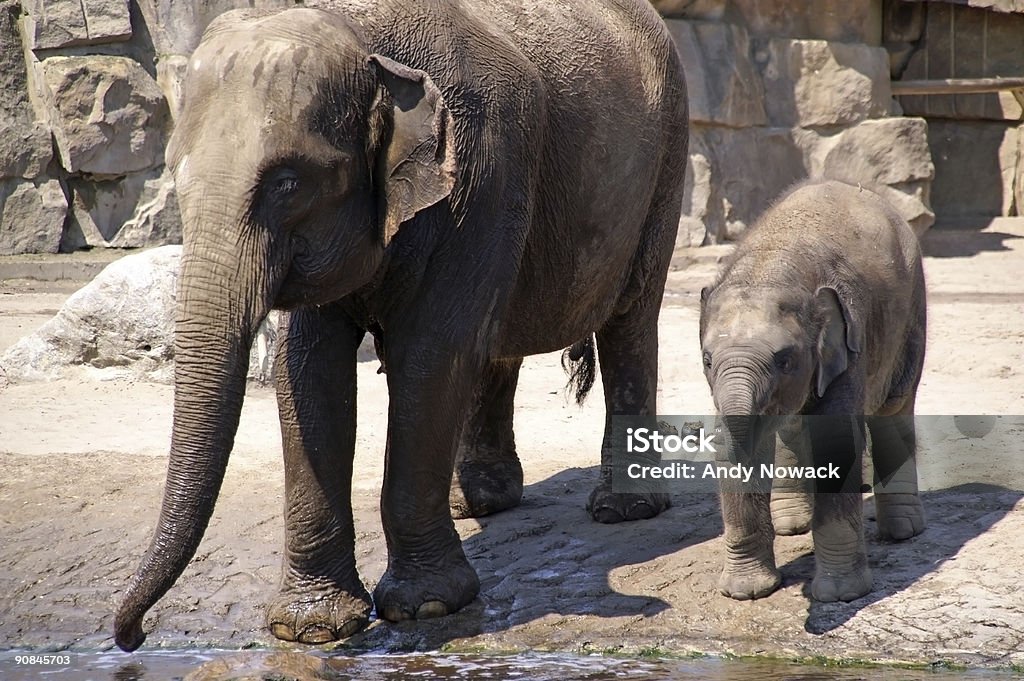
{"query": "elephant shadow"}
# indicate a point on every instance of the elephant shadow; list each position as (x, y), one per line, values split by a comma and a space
(945, 243)
(547, 558)
(956, 515)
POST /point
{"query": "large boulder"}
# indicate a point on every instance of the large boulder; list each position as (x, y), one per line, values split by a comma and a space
(107, 114)
(890, 155)
(32, 216)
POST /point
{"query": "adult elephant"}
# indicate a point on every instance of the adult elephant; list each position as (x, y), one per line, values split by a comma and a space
(472, 184)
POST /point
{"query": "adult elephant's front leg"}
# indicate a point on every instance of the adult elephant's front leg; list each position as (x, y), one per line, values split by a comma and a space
(431, 384)
(321, 597)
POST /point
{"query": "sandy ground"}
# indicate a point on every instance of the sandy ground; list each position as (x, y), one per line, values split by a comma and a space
(82, 463)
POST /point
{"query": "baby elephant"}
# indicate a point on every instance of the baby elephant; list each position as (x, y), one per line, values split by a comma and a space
(814, 329)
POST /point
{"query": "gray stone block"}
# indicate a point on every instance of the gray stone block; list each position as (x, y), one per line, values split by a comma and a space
(156, 220)
(814, 83)
(722, 84)
(50, 24)
(32, 214)
(26, 148)
(107, 114)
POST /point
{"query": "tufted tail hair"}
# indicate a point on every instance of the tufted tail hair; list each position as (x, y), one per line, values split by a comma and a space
(580, 361)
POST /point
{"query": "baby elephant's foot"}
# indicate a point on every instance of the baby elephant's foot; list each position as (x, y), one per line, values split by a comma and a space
(830, 585)
(749, 581)
(318, 613)
(411, 593)
(481, 488)
(900, 516)
(606, 506)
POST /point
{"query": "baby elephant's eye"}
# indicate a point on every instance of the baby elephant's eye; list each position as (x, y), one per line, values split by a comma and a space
(707, 360)
(785, 361)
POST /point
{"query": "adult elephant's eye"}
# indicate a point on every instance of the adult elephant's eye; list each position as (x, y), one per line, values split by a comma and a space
(284, 183)
(707, 360)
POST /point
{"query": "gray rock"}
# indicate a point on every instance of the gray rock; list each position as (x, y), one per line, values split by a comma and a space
(708, 10)
(32, 214)
(736, 174)
(122, 322)
(721, 81)
(156, 220)
(884, 151)
(176, 26)
(26, 148)
(51, 24)
(102, 209)
(108, 115)
(814, 83)
(889, 155)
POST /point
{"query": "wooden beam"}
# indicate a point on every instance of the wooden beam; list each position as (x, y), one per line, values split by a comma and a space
(955, 86)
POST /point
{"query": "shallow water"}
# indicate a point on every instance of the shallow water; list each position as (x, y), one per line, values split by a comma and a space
(214, 665)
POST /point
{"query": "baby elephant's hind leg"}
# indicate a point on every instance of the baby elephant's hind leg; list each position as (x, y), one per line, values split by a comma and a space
(893, 452)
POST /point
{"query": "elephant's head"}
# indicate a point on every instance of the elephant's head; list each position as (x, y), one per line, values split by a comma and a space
(296, 157)
(768, 350)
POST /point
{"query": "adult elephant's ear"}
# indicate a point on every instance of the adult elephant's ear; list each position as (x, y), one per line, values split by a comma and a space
(840, 335)
(415, 158)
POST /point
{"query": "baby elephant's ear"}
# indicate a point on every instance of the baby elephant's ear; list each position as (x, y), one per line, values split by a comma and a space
(415, 163)
(839, 336)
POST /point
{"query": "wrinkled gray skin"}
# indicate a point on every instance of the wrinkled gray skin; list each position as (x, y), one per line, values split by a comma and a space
(472, 183)
(820, 312)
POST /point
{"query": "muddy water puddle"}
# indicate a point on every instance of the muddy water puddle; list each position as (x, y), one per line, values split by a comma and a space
(215, 665)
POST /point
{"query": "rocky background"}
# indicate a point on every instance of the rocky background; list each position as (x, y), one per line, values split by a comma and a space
(779, 91)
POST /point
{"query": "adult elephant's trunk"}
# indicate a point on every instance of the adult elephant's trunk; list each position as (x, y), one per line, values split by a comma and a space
(226, 288)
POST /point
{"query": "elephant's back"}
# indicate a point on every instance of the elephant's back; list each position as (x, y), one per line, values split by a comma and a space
(831, 228)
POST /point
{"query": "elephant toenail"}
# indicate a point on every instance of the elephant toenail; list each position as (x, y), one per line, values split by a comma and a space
(317, 633)
(431, 609)
(352, 627)
(282, 631)
(394, 613)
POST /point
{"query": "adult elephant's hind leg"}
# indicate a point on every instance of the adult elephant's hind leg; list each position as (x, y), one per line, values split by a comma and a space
(488, 476)
(321, 597)
(628, 351)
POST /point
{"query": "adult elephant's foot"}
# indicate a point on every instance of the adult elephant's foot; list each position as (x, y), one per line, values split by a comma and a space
(481, 488)
(900, 516)
(749, 580)
(791, 513)
(606, 506)
(308, 612)
(846, 584)
(405, 593)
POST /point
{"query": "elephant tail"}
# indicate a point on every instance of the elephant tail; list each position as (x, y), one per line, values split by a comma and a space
(580, 361)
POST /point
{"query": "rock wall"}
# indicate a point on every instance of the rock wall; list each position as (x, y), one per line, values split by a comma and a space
(87, 92)
(981, 132)
(778, 93)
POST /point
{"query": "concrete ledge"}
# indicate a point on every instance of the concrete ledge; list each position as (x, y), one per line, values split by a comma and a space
(78, 266)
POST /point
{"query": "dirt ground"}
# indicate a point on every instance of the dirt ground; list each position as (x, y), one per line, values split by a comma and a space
(82, 464)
